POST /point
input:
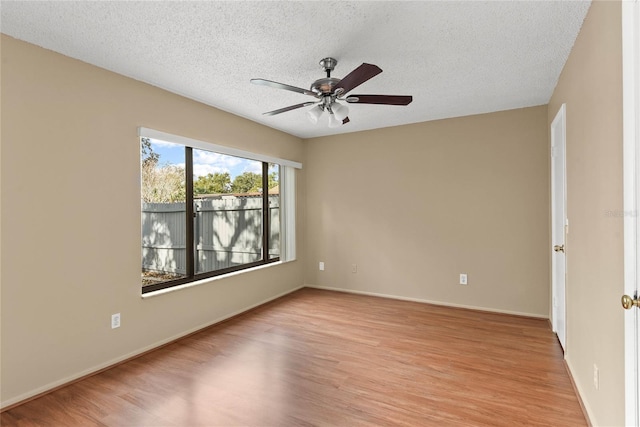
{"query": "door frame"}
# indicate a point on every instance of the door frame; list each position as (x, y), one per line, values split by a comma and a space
(631, 184)
(559, 120)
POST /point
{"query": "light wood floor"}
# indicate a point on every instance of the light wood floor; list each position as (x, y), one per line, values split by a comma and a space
(332, 359)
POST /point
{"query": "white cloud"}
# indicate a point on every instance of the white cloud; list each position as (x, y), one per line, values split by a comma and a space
(255, 167)
(204, 169)
(221, 160)
(205, 162)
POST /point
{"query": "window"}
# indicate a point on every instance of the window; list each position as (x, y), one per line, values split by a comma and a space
(208, 210)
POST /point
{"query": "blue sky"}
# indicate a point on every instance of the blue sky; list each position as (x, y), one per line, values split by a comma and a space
(204, 162)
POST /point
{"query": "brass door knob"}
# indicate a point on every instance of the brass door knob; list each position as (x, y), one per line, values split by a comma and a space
(628, 302)
(558, 248)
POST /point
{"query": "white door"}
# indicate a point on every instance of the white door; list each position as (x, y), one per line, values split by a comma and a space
(558, 224)
(631, 144)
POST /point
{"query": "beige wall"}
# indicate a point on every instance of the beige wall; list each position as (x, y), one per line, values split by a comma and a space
(414, 206)
(71, 218)
(591, 87)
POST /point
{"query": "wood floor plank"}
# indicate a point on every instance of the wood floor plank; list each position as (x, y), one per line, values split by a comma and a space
(321, 358)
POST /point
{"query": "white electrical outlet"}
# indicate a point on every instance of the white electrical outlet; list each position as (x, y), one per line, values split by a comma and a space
(115, 320)
(596, 377)
(463, 279)
(321, 266)
(354, 268)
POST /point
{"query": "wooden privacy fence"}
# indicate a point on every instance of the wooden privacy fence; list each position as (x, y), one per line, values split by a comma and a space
(227, 232)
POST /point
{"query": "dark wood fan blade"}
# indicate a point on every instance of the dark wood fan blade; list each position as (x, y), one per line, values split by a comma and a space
(345, 120)
(357, 77)
(289, 108)
(380, 99)
(263, 82)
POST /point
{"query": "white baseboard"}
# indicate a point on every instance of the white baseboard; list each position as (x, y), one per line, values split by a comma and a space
(87, 372)
(426, 301)
(583, 405)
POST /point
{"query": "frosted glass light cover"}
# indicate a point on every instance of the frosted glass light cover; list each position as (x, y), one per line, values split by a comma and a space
(340, 111)
(314, 114)
(333, 121)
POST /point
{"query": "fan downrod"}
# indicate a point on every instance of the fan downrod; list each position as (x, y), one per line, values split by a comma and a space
(324, 86)
(328, 64)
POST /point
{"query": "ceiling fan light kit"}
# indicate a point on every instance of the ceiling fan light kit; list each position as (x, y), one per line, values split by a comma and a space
(314, 114)
(330, 90)
(333, 121)
(340, 111)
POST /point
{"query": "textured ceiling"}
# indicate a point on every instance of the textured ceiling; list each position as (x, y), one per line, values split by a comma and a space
(456, 57)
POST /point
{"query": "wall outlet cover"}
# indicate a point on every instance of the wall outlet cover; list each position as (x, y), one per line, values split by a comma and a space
(115, 320)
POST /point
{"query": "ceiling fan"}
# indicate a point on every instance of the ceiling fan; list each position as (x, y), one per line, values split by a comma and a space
(330, 90)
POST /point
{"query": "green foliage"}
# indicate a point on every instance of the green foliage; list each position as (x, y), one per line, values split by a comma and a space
(147, 155)
(166, 183)
(248, 182)
(273, 180)
(216, 183)
(220, 183)
(160, 184)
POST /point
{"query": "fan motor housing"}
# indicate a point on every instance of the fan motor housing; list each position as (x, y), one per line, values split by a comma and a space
(324, 86)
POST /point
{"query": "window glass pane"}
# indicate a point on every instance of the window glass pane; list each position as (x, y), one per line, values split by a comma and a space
(210, 223)
(228, 210)
(274, 211)
(163, 218)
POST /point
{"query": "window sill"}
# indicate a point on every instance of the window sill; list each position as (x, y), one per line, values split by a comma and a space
(209, 280)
